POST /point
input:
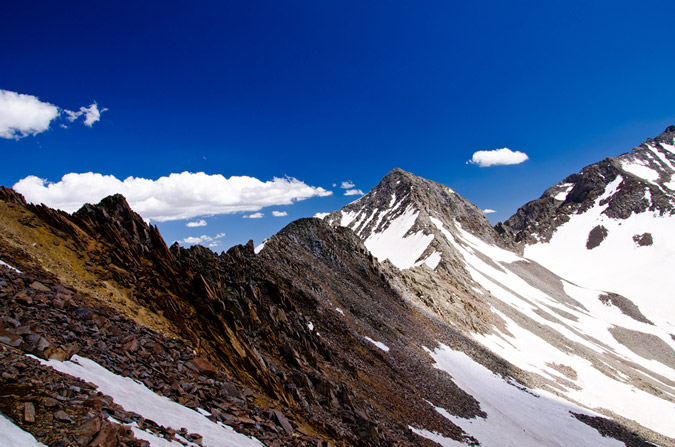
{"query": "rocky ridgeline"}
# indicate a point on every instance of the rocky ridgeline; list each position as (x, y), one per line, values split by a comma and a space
(51, 321)
(537, 220)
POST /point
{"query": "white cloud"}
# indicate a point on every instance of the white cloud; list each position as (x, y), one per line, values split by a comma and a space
(321, 215)
(489, 211)
(214, 244)
(198, 223)
(347, 185)
(174, 197)
(279, 213)
(253, 216)
(197, 240)
(219, 236)
(498, 157)
(91, 114)
(23, 115)
(353, 192)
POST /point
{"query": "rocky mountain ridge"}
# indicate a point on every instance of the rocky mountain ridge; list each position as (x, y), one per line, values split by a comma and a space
(647, 185)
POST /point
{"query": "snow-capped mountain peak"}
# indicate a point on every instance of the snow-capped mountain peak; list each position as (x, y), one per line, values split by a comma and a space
(395, 219)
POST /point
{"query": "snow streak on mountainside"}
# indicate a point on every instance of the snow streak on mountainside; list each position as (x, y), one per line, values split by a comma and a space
(592, 348)
(610, 227)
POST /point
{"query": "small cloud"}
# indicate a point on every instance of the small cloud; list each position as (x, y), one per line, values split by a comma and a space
(195, 224)
(353, 192)
(219, 236)
(347, 185)
(214, 244)
(321, 215)
(22, 115)
(254, 216)
(279, 213)
(91, 114)
(497, 157)
(197, 240)
(489, 211)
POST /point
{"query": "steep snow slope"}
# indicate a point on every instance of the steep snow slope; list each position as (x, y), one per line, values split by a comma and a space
(635, 249)
(594, 349)
(610, 227)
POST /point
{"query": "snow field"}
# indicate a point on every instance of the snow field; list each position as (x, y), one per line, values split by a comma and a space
(588, 328)
(136, 397)
(515, 417)
(641, 274)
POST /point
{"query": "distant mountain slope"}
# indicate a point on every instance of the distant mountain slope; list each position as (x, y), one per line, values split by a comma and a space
(611, 227)
(588, 346)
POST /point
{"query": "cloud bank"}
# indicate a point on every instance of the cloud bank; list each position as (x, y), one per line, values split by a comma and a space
(23, 115)
(498, 157)
(174, 197)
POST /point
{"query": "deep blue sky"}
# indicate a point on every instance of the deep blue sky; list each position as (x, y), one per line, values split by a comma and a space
(333, 91)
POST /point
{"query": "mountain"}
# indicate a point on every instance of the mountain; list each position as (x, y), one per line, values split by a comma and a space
(570, 341)
(403, 319)
(610, 227)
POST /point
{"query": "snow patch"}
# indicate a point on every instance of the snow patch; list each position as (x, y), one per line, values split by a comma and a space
(431, 261)
(9, 266)
(393, 244)
(669, 147)
(14, 436)
(310, 326)
(640, 170)
(259, 248)
(347, 217)
(338, 310)
(566, 188)
(436, 437)
(379, 344)
(136, 397)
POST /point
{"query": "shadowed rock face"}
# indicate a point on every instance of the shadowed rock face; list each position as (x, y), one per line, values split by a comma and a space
(537, 220)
